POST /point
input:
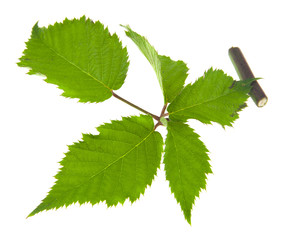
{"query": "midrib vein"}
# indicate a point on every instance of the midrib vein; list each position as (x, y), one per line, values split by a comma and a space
(125, 154)
(179, 169)
(73, 64)
(115, 161)
(207, 101)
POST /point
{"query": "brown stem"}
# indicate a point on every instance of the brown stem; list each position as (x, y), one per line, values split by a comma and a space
(157, 125)
(163, 110)
(244, 72)
(135, 106)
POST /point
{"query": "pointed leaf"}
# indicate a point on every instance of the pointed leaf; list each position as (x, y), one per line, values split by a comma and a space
(171, 74)
(79, 56)
(186, 165)
(215, 97)
(115, 165)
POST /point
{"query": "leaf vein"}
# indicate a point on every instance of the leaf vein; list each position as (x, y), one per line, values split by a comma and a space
(73, 64)
(204, 102)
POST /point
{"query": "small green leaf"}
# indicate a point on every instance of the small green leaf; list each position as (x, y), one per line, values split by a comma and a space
(164, 121)
(215, 97)
(171, 74)
(80, 56)
(115, 165)
(186, 165)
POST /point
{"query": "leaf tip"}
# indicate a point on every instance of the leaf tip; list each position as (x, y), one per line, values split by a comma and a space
(127, 27)
(31, 214)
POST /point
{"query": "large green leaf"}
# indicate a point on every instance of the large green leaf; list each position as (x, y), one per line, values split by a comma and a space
(186, 165)
(79, 56)
(115, 165)
(215, 97)
(171, 74)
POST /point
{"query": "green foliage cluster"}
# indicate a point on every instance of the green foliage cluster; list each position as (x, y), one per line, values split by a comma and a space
(88, 63)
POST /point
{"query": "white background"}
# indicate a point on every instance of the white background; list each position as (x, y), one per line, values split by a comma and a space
(245, 197)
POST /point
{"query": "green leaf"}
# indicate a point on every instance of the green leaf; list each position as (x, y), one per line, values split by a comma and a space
(171, 74)
(164, 121)
(79, 56)
(115, 165)
(186, 165)
(215, 97)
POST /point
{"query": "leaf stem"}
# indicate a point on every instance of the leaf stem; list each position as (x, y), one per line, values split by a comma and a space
(163, 110)
(135, 106)
(159, 123)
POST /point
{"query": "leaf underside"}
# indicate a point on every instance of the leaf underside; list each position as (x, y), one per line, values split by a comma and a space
(215, 97)
(80, 56)
(171, 74)
(113, 166)
(186, 165)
